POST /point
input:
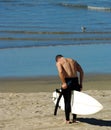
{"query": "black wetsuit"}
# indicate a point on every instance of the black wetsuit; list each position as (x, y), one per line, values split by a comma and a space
(72, 84)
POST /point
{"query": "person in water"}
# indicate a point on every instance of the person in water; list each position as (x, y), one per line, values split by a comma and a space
(71, 75)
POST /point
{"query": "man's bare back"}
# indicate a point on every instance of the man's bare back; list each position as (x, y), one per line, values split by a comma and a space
(68, 68)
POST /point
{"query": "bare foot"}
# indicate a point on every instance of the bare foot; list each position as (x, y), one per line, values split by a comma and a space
(68, 122)
(75, 121)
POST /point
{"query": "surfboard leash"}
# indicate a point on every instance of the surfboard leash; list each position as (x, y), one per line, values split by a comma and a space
(57, 103)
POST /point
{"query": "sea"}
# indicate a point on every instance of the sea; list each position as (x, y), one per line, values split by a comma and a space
(33, 32)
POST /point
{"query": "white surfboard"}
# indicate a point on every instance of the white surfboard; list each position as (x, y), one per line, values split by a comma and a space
(81, 103)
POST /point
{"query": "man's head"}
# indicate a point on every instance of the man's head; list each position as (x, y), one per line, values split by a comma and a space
(58, 57)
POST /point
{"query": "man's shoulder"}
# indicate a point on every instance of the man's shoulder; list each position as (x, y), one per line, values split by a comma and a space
(71, 60)
(58, 64)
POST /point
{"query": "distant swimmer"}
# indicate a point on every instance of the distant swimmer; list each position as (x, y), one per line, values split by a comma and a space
(83, 29)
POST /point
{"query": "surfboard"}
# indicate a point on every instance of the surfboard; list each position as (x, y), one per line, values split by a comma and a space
(81, 103)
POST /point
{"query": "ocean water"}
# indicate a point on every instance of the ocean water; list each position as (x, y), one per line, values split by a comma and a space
(32, 32)
(40, 61)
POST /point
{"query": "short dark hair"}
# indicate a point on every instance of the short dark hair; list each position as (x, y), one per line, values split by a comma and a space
(58, 56)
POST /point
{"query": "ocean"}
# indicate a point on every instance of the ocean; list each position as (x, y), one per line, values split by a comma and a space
(33, 32)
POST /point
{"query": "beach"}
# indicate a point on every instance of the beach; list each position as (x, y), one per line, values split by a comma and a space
(32, 33)
(26, 104)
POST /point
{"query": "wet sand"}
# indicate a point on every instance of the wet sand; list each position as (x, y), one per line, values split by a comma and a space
(50, 83)
(26, 104)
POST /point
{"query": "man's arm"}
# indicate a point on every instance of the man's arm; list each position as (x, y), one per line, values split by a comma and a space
(60, 70)
(80, 70)
(61, 75)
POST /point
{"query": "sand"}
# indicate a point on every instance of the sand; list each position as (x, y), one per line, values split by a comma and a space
(26, 104)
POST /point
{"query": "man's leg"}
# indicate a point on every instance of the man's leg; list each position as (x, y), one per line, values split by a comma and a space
(67, 100)
(74, 118)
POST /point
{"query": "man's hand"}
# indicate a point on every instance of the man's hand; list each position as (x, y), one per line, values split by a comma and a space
(80, 87)
(64, 86)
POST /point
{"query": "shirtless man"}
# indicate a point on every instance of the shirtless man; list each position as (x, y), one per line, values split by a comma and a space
(68, 72)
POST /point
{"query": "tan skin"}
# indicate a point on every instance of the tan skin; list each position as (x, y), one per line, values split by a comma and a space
(68, 68)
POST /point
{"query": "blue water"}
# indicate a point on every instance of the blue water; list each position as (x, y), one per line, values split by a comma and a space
(32, 32)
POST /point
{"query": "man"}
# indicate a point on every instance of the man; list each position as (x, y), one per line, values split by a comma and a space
(68, 70)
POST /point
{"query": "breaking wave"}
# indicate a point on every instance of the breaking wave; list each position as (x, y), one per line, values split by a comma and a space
(83, 6)
(53, 39)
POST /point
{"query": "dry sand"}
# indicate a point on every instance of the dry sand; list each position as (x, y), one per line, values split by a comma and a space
(26, 104)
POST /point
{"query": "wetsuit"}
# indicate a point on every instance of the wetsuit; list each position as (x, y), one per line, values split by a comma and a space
(72, 84)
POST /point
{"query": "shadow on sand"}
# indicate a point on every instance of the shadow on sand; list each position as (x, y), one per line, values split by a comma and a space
(94, 121)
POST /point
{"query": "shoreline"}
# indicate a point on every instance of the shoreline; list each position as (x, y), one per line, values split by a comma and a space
(50, 83)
